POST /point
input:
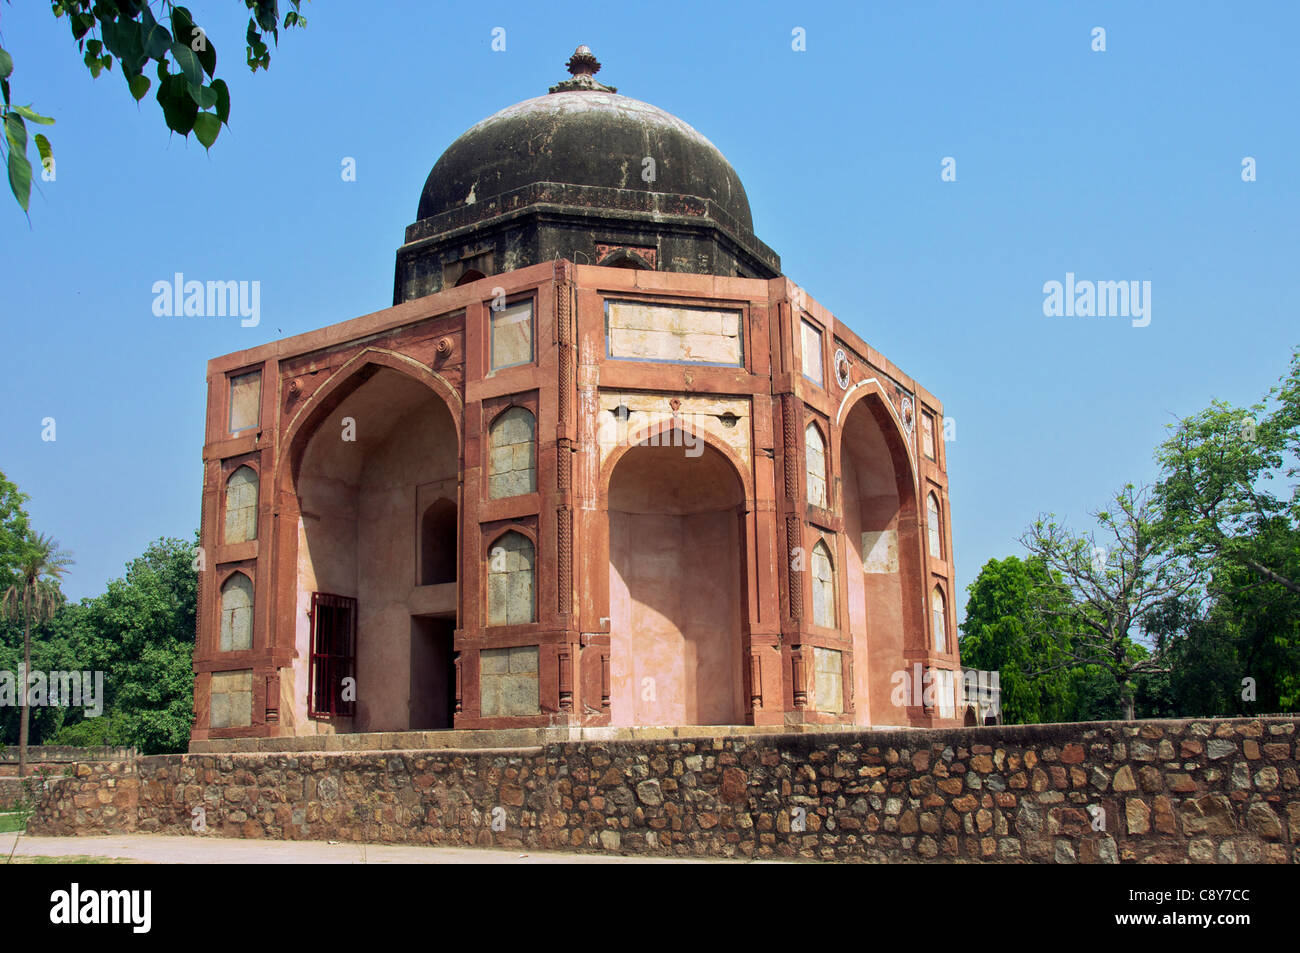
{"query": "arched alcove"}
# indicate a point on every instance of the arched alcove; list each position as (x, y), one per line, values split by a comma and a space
(880, 527)
(361, 537)
(676, 553)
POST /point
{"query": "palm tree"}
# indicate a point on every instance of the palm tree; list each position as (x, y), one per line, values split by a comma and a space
(35, 595)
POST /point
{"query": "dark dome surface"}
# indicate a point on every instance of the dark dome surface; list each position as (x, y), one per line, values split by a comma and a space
(582, 137)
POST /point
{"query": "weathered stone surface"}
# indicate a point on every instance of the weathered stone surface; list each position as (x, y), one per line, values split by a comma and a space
(873, 796)
(1211, 814)
(1137, 815)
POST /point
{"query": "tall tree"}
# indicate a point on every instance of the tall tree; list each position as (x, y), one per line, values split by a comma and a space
(1223, 491)
(35, 595)
(1097, 600)
(14, 530)
(140, 633)
(998, 635)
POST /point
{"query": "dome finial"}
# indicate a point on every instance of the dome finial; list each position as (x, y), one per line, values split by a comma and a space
(583, 67)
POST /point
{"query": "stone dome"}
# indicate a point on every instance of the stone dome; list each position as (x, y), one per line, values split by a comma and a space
(583, 133)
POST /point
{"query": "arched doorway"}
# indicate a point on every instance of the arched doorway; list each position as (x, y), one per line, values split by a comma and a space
(377, 535)
(881, 537)
(676, 551)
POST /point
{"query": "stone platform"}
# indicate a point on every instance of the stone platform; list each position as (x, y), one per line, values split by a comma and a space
(488, 739)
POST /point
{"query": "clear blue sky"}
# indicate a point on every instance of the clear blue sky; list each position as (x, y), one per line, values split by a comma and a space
(1122, 165)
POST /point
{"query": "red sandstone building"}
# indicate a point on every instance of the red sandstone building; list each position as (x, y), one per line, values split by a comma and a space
(601, 464)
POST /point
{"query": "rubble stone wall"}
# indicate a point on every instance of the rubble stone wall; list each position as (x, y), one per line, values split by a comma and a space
(1105, 792)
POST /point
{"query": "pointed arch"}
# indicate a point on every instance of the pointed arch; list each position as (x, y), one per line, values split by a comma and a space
(822, 565)
(934, 525)
(896, 436)
(939, 610)
(240, 523)
(511, 579)
(660, 433)
(351, 375)
(236, 613)
(815, 465)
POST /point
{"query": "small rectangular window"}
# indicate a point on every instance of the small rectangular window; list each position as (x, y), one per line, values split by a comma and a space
(512, 335)
(812, 352)
(927, 435)
(333, 656)
(245, 401)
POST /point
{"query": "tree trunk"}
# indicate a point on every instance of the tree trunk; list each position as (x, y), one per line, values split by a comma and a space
(22, 688)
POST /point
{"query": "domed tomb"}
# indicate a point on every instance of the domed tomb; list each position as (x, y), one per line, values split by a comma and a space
(585, 174)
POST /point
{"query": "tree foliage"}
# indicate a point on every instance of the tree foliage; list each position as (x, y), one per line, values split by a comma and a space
(1183, 602)
(999, 635)
(1101, 592)
(33, 596)
(137, 35)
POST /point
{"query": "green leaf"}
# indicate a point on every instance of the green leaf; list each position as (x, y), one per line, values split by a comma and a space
(266, 11)
(204, 96)
(34, 116)
(206, 127)
(43, 147)
(157, 41)
(207, 55)
(6, 64)
(81, 24)
(20, 178)
(189, 63)
(223, 99)
(16, 133)
(139, 86)
(179, 109)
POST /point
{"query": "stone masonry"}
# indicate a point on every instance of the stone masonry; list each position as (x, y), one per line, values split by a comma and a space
(1160, 791)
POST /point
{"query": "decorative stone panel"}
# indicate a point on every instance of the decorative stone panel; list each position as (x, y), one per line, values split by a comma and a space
(815, 465)
(241, 506)
(823, 585)
(236, 613)
(511, 582)
(654, 332)
(512, 335)
(512, 466)
(508, 681)
(828, 680)
(621, 416)
(245, 401)
(231, 695)
(880, 551)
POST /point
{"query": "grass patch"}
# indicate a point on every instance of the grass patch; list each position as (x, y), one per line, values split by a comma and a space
(72, 859)
(11, 822)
